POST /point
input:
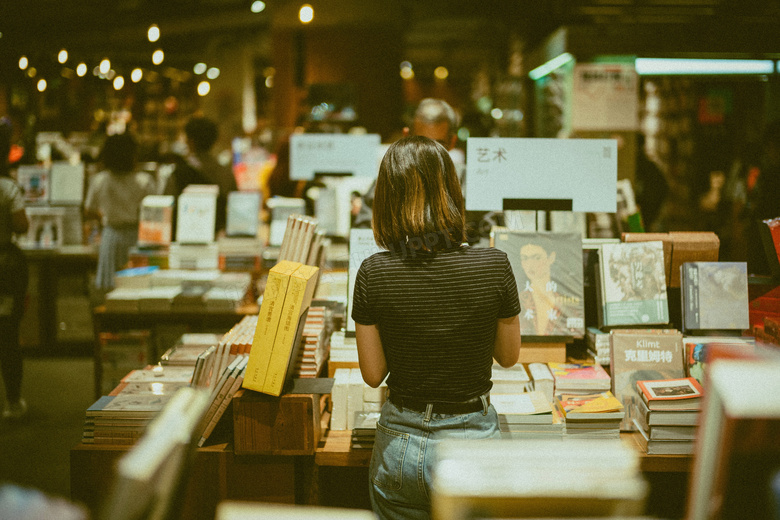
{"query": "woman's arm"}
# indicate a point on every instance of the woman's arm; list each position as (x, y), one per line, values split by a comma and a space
(373, 365)
(507, 348)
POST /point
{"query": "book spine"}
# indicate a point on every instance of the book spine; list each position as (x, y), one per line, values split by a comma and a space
(692, 307)
(265, 332)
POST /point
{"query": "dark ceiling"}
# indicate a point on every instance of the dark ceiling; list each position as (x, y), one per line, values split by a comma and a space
(93, 28)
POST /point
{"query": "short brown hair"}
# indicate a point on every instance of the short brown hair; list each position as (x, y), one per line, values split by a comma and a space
(418, 203)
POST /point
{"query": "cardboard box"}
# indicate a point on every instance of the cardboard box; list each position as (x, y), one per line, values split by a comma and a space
(692, 246)
(268, 425)
(542, 353)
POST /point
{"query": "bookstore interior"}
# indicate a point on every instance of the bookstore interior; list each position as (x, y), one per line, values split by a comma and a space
(198, 183)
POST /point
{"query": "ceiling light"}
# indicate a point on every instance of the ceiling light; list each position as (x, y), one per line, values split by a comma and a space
(158, 56)
(407, 73)
(136, 75)
(651, 66)
(546, 68)
(212, 73)
(119, 82)
(62, 57)
(153, 33)
(41, 85)
(258, 6)
(104, 66)
(32, 72)
(199, 68)
(203, 88)
(81, 69)
(23, 62)
(441, 72)
(306, 14)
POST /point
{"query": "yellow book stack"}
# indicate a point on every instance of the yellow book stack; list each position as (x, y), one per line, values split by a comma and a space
(296, 302)
(268, 324)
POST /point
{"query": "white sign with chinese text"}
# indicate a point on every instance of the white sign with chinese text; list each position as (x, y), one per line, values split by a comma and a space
(335, 154)
(583, 171)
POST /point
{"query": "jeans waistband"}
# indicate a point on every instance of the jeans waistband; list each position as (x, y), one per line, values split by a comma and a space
(478, 404)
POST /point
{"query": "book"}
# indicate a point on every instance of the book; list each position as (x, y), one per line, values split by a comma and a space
(714, 296)
(47, 227)
(34, 181)
(548, 272)
(770, 238)
(512, 380)
(196, 215)
(243, 213)
(642, 355)
(542, 379)
(736, 452)
(697, 347)
(66, 183)
(296, 303)
(652, 418)
(155, 223)
(662, 446)
(531, 407)
(579, 377)
(632, 284)
(268, 324)
(671, 394)
(670, 432)
(590, 407)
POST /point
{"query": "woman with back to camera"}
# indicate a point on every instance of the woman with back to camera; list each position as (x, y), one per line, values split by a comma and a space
(432, 313)
(116, 194)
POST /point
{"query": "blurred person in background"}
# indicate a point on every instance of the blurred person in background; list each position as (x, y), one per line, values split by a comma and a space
(13, 279)
(201, 166)
(115, 196)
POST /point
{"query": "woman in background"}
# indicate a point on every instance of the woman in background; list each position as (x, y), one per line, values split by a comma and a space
(115, 195)
(13, 280)
(432, 313)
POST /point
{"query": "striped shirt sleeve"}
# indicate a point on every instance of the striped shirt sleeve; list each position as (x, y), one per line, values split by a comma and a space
(362, 310)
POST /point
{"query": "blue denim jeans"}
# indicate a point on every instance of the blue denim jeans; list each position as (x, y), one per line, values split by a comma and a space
(402, 461)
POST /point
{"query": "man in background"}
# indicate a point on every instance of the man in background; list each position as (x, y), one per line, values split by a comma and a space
(434, 119)
(200, 166)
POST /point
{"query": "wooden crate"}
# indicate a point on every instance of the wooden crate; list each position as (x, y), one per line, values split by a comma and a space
(268, 425)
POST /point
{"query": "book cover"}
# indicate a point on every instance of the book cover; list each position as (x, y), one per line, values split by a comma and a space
(156, 220)
(697, 347)
(34, 181)
(518, 408)
(602, 405)
(243, 213)
(671, 394)
(196, 217)
(641, 355)
(67, 183)
(548, 271)
(268, 324)
(579, 376)
(715, 296)
(296, 302)
(633, 284)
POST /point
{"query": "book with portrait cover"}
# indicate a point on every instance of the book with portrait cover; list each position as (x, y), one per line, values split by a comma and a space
(548, 270)
(671, 394)
(643, 355)
(715, 296)
(632, 284)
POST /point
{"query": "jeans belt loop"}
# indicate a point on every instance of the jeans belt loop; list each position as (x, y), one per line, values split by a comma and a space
(485, 403)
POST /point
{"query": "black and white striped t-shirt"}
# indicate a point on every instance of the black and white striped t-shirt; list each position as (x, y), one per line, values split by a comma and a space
(436, 314)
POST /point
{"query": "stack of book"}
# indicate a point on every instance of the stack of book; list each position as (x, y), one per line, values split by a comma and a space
(667, 415)
(579, 378)
(302, 242)
(364, 430)
(598, 345)
(239, 254)
(542, 380)
(513, 380)
(314, 344)
(121, 352)
(526, 415)
(343, 352)
(591, 416)
(222, 392)
(122, 416)
(352, 398)
(155, 225)
(189, 346)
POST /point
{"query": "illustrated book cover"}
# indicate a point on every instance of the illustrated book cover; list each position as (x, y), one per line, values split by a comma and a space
(548, 271)
(671, 394)
(715, 296)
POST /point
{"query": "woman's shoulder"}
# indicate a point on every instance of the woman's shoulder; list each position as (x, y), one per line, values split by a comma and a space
(486, 254)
